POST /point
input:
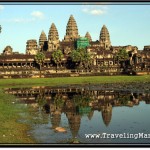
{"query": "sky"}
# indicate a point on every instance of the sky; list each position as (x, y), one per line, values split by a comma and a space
(127, 24)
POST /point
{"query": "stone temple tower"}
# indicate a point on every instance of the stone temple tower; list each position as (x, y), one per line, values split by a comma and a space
(87, 35)
(104, 38)
(43, 42)
(53, 38)
(31, 47)
(71, 30)
(8, 50)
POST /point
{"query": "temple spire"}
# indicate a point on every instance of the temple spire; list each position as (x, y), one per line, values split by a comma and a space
(87, 35)
(104, 38)
(53, 38)
(71, 30)
(43, 41)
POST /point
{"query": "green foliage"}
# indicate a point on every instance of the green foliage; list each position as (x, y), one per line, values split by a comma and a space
(12, 131)
(87, 61)
(82, 57)
(75, 56)
(57, 56)
(122, 55)
(40, 58)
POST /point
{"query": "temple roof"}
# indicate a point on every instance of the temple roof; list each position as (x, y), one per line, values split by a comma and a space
(104, 33)
(104, 38)
(53, 33)
(43, 36)
(87, 35)
(71, 29)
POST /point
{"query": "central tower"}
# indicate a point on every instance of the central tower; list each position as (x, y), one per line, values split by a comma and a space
(71, 30)
(104, 38)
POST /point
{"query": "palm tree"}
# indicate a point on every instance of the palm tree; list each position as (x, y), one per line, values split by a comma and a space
(57, 57)
(75, 56)
(40, 59)
(82, 57)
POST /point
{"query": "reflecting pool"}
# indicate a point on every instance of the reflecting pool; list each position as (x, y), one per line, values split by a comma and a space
(87, 114)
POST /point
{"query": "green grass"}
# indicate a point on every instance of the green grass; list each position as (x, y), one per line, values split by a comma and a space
(11, 131)
(73, 80)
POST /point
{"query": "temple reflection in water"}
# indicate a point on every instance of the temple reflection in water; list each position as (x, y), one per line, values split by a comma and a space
(76, 102)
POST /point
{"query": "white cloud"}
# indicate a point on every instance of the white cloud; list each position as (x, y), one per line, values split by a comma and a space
(38, 14)
(1, 7)
(97, 12)
(95, 9)
(22, 20)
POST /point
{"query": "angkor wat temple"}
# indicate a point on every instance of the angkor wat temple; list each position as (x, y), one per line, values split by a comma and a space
(16, 65)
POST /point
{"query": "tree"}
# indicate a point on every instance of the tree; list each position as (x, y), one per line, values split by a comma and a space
(122, 55)
(40, 59)
(87, 61)
(75, 57)
(57, 57)
(82, 57)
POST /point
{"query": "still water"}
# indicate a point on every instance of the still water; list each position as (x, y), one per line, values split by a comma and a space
(87, 114)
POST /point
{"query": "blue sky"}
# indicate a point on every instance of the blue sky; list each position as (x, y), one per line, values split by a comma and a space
(127, 24)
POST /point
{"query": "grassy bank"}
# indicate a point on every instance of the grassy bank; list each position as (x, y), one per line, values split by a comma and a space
(73, 80)
(11, 131)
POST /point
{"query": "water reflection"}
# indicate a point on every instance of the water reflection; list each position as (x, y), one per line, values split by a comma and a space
(76, 103)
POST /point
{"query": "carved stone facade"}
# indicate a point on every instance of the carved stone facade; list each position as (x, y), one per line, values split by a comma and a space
(67, 47)
(53, 38)
(31, 47)
(104, 38)
(71, 30)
